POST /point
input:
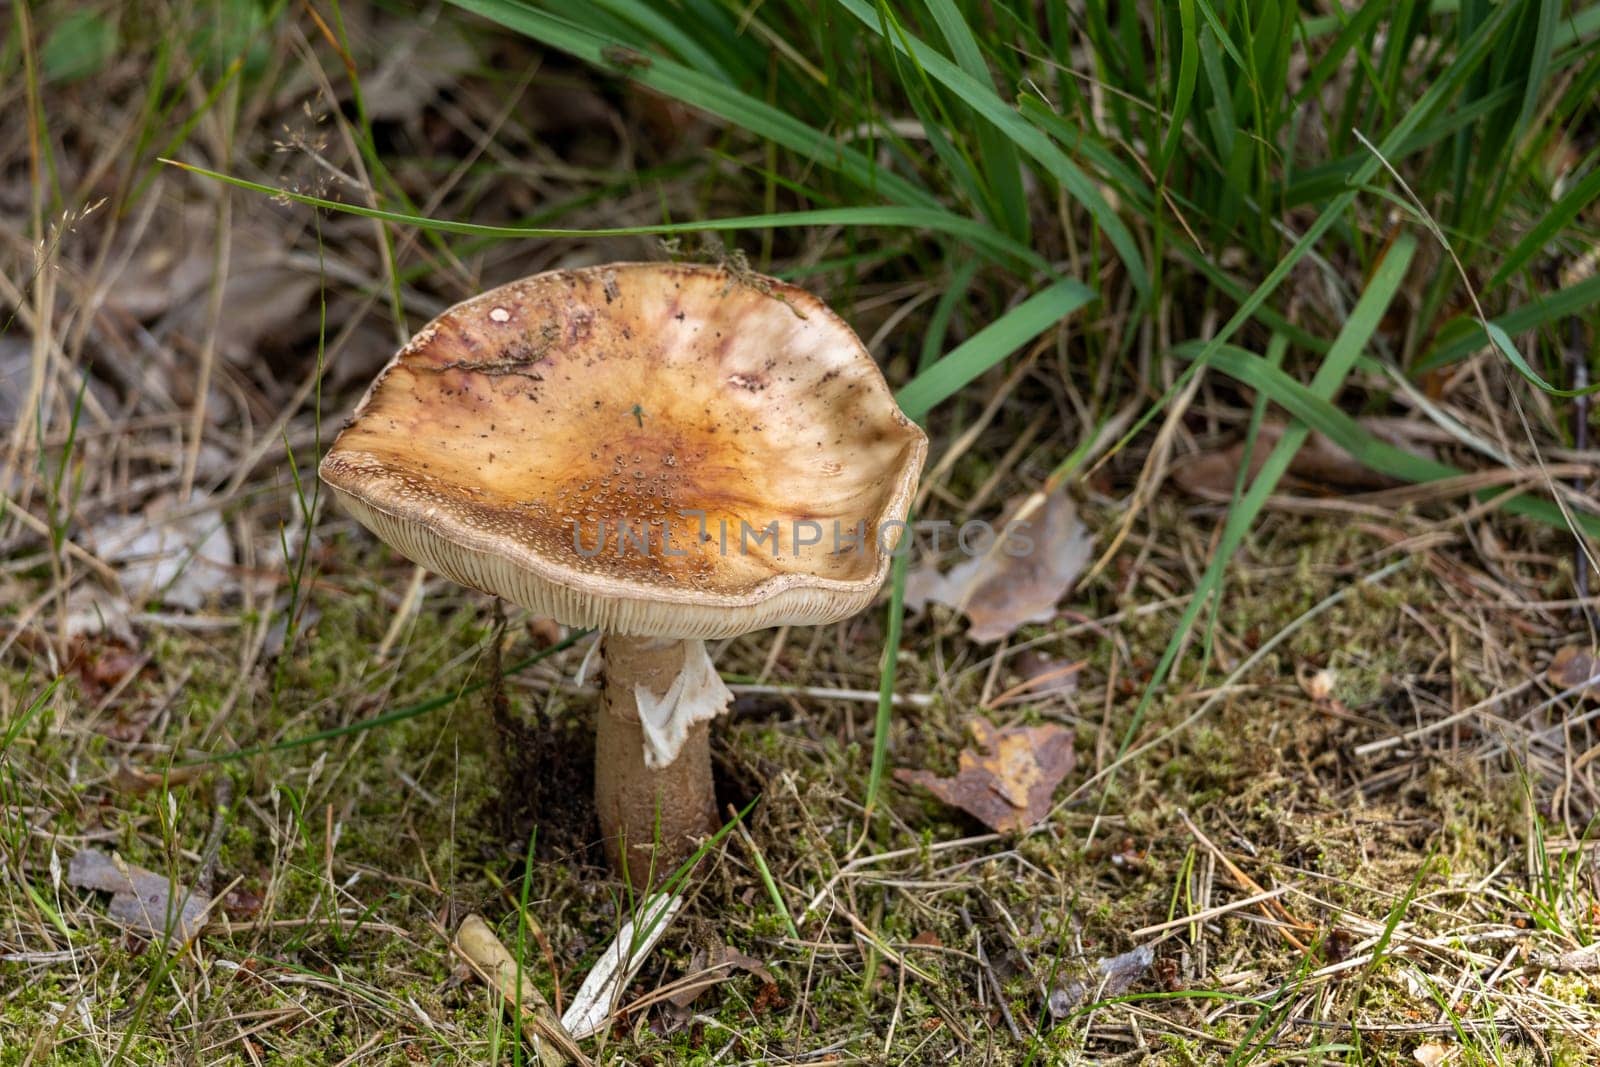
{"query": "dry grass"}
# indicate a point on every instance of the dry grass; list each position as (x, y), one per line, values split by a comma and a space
(1396, 856)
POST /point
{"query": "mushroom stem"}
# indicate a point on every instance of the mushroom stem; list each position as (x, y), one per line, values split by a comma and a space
(655, 802)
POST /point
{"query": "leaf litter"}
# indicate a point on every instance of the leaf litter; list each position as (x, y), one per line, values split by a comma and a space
(1008, 781)
(140, 898)
(181, 557)
(1214, 474)
(1573, 667)
(1115, 976)
(1038, 553)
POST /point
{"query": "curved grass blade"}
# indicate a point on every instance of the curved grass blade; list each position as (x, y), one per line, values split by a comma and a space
(1462, 342)
(991, 344)
(1372, 452)
(977, 233)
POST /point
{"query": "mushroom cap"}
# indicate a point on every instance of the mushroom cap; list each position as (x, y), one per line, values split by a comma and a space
(649, 449)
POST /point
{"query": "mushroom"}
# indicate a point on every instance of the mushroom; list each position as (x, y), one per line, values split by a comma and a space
(666, 453)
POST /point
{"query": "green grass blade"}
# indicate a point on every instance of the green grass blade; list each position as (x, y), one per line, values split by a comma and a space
(1556, 220)
(992, 344)
(979, 234)
(1372, 452)
(707, 93)
(1183, 91)
(1547, 17)
(1336, 365)
(1465, 336)
(1001, 162)
(955, 291)
(1031, 140)
(886, 678)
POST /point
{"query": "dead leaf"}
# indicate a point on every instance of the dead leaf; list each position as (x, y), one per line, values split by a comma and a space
(714, 966)
(16, 369)
(1212, 475)
(420, 60)
(95, 612)
(1116, 975)
(1043, 673)
(1041, 676)
(1431, 1054)
(1008, 783)
(140, 899)
(543, 631)
(1572, 667)
(242, 904)
(180, 556)
(769, 999)
(103, 664)
(1031, 565)
(1317, 684)
(167, 283)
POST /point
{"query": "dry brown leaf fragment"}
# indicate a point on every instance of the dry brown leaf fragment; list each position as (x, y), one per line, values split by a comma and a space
(1431, 1054)
(135, 781)
(715, 965)
(1572, 667)
(140, 898)
(1038, 552)
(1214, 474)
(1007, 781)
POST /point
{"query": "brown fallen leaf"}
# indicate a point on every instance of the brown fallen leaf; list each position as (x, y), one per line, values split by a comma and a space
(1212, 475)
(140, 899)
(1007, 784)
(1039, 551)
(716, 965)
(1572, 667)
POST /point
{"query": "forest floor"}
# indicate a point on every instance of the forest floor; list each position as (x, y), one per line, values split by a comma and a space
(1356, 824)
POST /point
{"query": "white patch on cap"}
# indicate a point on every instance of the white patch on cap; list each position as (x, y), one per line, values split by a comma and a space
(500, 314)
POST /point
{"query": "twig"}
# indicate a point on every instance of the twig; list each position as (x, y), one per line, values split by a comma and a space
(818, 692)
(988, 970)
(1210, 913)
(1585, 960)
(1269, 903)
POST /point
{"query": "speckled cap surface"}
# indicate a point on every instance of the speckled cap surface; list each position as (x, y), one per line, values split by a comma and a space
(652, 449)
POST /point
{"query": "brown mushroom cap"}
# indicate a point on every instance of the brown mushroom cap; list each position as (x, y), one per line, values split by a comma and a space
(520, 425)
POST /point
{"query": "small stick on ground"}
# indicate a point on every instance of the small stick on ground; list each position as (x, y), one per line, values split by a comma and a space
(994, 979)
(542, 1028)
(1269, 903)
(1584, 960)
